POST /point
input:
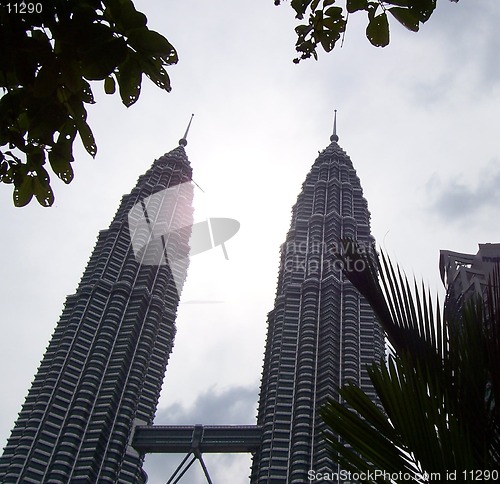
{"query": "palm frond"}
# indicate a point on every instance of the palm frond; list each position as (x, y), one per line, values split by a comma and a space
(440, 389)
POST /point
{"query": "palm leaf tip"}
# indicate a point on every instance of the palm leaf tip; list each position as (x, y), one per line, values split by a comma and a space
(440, 388)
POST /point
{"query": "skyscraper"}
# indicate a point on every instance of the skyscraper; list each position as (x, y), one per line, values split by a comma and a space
(104, 366)
(321, 332)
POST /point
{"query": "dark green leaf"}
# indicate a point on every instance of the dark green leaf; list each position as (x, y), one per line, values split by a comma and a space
(71, 75)
(328, 39)
(100, 61)
(422, 9)
(334, 12)
(25, 61)
(377, 31)
(4, 169)
(109, 85)
(42, 191)
(79, 115)
(151, 42)
(76, 108)
(23, 192)
(154, 70)
(405, 17)
(16, 140)
(95, 33)
(7, 177)
(86, 14)
(300, 7)
(42, 176)
(35, 158)
(61, 154)
(42, 47)
(303, 29)
(372, 10)
(44, 117)
(86, 93)
(129, 80)
(124, 14)
(334, 26)
(59, 158)
(134, 19)
(317, 20)
(87, 137)
(46, 81)
(355, 5)
(10, 106)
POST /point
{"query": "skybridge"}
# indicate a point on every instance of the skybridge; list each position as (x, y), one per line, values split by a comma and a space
(195, 440)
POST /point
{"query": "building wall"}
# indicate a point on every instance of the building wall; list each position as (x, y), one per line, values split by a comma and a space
(467, 275)
(321, 332)
(104, 366)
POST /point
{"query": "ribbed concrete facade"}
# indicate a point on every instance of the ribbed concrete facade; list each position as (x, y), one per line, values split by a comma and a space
(104, 366)
(321, 333)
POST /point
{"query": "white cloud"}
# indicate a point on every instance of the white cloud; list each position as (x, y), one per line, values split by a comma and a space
(460, 200)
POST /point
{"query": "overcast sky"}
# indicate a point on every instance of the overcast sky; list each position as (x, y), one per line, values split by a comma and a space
(419, 119)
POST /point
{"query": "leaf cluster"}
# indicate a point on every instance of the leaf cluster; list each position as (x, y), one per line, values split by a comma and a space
(46, 62)
(326, 22)
(438, 392)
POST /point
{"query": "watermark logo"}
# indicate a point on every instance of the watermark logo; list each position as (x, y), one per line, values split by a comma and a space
(314, 257)
(211, 233)
(348, 477)
(161, 224)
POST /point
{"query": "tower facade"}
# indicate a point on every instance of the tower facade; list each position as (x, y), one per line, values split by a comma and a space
(104, 366)
(321, 333)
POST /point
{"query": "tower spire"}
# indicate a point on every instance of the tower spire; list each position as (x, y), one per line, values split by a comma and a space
(183, 140)
(334, 136)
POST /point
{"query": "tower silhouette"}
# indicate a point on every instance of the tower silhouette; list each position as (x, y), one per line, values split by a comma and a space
(89, 413)
(321, 332)
(103, 369)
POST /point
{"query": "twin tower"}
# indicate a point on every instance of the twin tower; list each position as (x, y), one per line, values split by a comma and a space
(92, 403)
